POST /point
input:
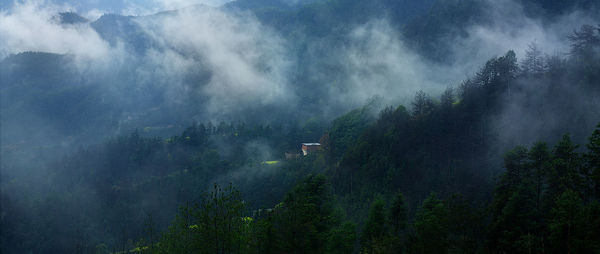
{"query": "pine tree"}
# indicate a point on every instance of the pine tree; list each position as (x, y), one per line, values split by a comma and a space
(375, 232)
(422, 105)
(593, 162)
(565, 223)
(341, 239)
(566, 171)
(534, 63)
(398, 214)
(431, 227)
(305, 217)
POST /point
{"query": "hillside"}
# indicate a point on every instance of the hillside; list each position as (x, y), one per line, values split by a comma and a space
(442, 126)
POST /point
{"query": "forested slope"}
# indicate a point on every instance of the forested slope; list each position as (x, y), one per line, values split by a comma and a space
(174, 149)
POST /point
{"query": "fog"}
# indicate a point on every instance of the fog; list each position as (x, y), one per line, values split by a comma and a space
(209, 64)
(30, 26)
(162, 65)
(230, 64)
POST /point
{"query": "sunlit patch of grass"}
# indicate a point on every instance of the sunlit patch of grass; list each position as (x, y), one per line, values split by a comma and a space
(140, 249)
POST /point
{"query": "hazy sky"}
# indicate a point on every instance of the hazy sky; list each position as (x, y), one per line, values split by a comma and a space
(92, 8)
(249, 62)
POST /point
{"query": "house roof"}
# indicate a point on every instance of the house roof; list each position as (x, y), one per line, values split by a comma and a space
(311, 144)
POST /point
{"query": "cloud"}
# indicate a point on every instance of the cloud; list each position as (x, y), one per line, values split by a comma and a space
(509, 28)
(228, 62)
(178, 4)
(93, 14)
(246, 63)
(32, 26)
(377, 63)
(538, 109)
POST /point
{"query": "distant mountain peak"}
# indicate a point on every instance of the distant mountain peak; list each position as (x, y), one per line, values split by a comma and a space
(70, 18)
(258, 4)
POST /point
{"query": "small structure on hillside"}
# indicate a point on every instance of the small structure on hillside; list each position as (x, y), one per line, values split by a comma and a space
(308, 148)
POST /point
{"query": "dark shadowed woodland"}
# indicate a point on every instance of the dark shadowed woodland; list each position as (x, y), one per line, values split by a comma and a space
(443, 126)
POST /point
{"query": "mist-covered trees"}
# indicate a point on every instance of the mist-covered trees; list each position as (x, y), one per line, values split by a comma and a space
(304, 218)
(545, 199)
(345, 130)
(534, 63)
(585, 42)
(215, 225)
(542, 203)
(435, 144)
(384, 228)
(304, 222)
(431, 229)
(342, 239)
(106, 191)
(593, 160)
(422, 105)
(398, 214)
(375, 235)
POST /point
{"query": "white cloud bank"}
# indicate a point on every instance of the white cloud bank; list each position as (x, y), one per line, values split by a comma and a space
(247, 65)
(31, 26)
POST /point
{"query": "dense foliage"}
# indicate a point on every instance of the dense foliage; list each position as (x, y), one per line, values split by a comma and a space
(543, 203)
(444, 174)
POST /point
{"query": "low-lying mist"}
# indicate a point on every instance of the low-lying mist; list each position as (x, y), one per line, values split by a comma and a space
(205, 63)
(73, 86)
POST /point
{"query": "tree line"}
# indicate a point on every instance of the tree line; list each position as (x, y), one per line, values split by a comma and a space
(546, 201)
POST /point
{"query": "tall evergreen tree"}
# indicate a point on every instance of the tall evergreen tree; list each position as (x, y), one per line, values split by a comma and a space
(305, 217)
(431, 227)
(422, 105)
(533, 65)
(398, 214)
(341, 239)
(566, 170)
(593, 162)
(374, 234)
(565, 223)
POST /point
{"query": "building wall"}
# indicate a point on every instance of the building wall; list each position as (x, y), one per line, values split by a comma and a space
(309, 149)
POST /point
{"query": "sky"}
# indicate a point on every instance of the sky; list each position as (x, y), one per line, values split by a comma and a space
(236, 64)
(94, 8)
(249, 62)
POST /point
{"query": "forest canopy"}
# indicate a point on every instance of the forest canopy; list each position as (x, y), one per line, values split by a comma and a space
(438, 126)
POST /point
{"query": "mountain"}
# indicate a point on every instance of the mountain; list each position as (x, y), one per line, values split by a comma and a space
(116, 28)
(70, 18)
(441, 126)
